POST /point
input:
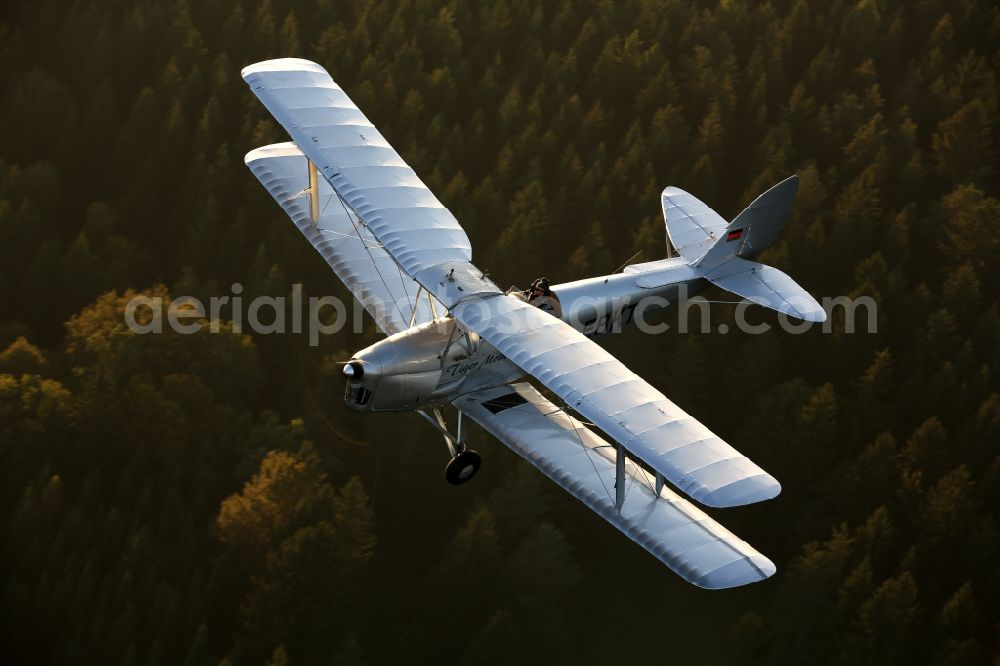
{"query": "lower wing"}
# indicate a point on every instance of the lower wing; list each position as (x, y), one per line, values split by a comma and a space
(676, 532)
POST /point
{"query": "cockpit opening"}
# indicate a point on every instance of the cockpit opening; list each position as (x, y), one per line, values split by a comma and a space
(542, 297)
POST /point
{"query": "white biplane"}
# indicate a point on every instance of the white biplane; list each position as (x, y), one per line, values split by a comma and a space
(455, 338)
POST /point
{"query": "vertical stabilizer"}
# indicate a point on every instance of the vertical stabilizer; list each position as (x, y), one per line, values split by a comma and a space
(765, 217)
(756, 228)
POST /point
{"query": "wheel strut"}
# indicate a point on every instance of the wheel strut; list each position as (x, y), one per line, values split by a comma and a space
(464, 462)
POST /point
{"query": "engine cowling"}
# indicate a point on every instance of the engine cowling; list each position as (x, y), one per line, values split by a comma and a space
(401, 372)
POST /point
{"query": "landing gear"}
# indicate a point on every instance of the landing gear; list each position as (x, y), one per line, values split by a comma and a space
(462, 467)
(464, 463)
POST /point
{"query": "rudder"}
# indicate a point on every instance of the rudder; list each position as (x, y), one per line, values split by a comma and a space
(757, 227)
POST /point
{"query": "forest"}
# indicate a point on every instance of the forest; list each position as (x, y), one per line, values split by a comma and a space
(209, 499)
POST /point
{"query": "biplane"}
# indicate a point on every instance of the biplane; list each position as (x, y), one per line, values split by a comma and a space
(455, 339)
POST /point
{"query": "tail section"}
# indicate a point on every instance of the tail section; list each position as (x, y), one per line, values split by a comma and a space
(719, 251)
(700, 235)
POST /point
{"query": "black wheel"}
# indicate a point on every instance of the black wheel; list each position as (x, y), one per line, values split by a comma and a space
(462, 467)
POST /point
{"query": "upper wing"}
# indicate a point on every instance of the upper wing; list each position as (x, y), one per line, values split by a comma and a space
(370, 177)
(598, 386)
(692, 226)
(679, 534)
(350, 249)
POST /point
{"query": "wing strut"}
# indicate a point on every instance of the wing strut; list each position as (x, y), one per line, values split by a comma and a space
(313, 191)
(413, 317)
(620, 478)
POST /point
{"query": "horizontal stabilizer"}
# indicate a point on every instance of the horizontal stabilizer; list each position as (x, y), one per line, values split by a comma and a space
(692, 226)
(675, 531)
(766, 286)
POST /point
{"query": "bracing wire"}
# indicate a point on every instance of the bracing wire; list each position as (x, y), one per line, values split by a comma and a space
(586, 450)
(377, 246)
(381, 277)
(402, 282)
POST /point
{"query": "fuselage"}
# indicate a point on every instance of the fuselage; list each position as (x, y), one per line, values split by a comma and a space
(430, 364)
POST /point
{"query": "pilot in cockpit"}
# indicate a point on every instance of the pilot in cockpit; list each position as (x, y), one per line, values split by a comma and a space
(544, 298)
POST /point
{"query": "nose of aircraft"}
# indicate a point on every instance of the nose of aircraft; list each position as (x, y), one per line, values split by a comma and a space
(362, 376)
(363, 366)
